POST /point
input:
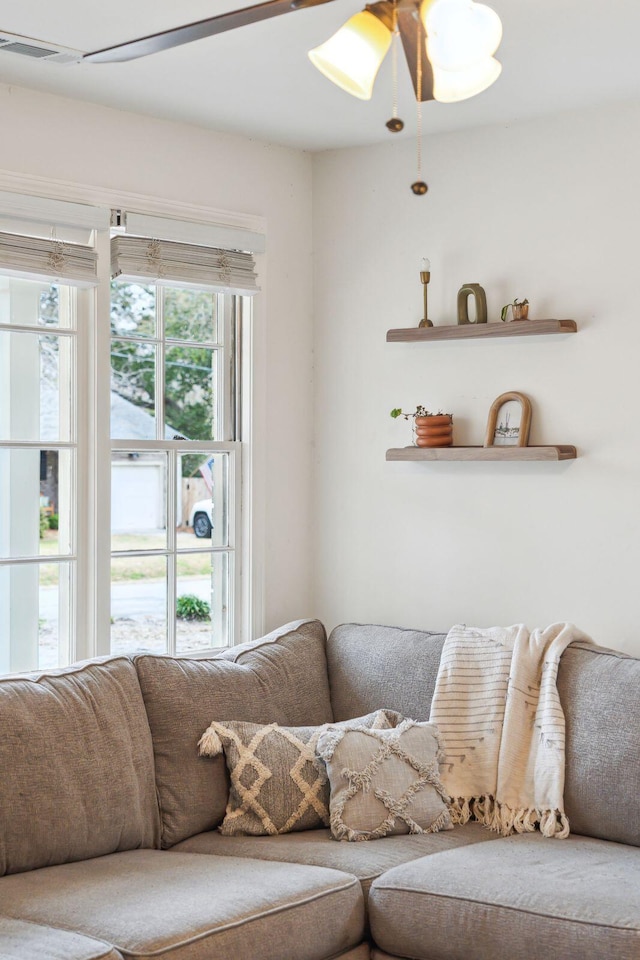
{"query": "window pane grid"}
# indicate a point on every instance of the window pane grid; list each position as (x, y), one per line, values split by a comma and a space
(177, 577)
(38, 481)
(185, 333)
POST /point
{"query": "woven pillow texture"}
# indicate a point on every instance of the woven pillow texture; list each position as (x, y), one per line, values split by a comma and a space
(384, 782)
(278, 783)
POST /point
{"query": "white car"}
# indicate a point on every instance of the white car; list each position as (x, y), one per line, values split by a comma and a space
(201, 518)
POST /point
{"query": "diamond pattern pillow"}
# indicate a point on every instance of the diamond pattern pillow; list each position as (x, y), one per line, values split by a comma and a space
(384, 782)
(278, 783)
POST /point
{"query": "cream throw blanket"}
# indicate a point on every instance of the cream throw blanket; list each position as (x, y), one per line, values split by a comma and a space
(497, 708)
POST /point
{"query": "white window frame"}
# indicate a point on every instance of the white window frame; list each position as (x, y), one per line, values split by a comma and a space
(77, 335)
(93, 534)
(234, 492)
(229, 313)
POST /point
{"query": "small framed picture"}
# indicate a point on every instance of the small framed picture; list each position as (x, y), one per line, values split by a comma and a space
(509, 421)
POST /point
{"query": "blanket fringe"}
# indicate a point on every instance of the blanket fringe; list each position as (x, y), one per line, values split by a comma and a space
(504, 820)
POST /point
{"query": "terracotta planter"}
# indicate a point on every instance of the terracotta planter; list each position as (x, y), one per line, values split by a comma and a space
(436, 431)
(519, 311)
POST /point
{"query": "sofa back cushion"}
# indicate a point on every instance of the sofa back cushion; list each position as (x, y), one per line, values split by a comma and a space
(281, 678)
(372, 667)
(76, 766)
(600, 694)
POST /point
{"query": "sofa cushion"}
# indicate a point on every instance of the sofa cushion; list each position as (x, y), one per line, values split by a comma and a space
(281, 678)
(366, 861)
(77, 745)
(600, 694)
(384, 782)
(372, 666)
(184, 907)
(24, 940)
(514, 899)
(278, 783)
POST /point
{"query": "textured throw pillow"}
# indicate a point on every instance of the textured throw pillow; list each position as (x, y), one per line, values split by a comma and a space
(278, 783)
(384, 782)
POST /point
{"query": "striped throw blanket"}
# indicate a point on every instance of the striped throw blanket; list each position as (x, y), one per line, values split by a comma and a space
(497, 708)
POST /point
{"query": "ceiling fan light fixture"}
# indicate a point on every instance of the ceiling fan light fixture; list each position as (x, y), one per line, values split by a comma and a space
(450, 86)
(351, 58)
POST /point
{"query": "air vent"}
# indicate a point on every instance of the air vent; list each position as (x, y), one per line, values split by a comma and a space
(37, 50)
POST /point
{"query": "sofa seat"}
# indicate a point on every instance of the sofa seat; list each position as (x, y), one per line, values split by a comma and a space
(21, 939)
(147, 903)
(519, 898)
(317, 848)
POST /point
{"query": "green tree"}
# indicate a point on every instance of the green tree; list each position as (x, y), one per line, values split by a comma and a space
(189, 320)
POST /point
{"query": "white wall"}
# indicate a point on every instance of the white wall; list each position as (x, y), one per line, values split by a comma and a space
(67, 140)
(548, 210)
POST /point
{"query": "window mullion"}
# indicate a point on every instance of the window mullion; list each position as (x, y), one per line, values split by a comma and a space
(160, 365)
(225, 405)
(98, 556)
(236, 368)
(43, 330)
(172, 500)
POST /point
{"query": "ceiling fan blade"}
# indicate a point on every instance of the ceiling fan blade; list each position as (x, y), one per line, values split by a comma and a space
(412, 33)
(175, 37)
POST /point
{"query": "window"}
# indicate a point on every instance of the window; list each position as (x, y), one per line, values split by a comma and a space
(39, 325)
(177, 312)
(174, 506)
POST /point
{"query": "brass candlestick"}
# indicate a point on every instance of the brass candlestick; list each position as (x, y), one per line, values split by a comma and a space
(425, 276)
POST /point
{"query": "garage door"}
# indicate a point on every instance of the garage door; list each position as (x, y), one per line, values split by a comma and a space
(137, 497)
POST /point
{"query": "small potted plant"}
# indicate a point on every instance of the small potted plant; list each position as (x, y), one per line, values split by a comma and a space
(429, 429)
(519, 310)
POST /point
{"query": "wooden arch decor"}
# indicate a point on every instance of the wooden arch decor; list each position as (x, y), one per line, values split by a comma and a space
(524, 426)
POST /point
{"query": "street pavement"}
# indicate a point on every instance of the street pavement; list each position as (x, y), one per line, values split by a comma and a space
(132, 599)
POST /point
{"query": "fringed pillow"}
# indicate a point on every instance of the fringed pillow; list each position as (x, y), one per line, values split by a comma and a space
(278, 783)
(384, 782)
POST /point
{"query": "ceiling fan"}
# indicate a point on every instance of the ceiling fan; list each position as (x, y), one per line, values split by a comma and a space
(448, 44)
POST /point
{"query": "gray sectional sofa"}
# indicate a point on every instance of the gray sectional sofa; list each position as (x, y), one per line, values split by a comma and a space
(108, 816)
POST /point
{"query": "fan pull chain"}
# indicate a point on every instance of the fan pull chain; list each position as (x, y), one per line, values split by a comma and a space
(395, 125)
(419, 187)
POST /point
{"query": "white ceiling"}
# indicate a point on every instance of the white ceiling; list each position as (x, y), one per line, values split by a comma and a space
(257, 80)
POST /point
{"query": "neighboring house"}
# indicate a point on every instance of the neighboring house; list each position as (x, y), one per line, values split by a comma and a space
(137, 480)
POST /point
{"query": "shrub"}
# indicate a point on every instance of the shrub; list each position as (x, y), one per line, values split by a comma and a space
(44, 522)
(190, 607)
(53, 521)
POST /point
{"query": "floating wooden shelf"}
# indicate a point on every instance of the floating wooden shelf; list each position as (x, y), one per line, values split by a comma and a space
(562, 452)
(473, 331)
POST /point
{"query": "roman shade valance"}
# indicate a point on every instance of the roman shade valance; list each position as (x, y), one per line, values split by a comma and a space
(55, 213)
(36, 258)
(141, 259)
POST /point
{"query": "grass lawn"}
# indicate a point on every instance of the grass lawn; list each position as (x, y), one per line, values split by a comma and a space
(138, 568)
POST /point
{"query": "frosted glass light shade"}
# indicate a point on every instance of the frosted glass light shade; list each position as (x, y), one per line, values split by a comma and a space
(351, 58)
(460, 33)
(462, 37)
(449, 86)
